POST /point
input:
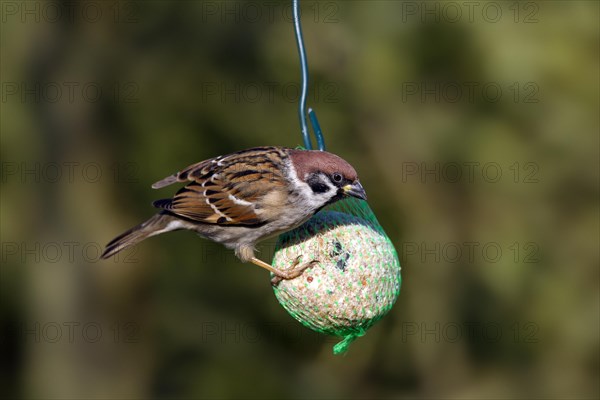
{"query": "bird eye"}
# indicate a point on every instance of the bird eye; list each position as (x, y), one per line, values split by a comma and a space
(337, 177)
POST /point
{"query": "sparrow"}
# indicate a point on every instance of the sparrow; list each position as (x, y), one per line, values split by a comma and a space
(245, 197)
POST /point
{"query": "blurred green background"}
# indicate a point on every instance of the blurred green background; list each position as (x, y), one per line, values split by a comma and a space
(473, 125)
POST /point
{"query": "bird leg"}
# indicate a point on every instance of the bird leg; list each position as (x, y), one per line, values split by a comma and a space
(295, 271)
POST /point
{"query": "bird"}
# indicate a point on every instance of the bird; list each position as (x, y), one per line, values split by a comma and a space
(248, 196)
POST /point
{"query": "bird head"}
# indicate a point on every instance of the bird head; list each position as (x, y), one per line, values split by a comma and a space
(328, 177)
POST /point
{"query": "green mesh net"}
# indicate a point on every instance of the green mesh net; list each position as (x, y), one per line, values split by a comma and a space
(356, 281)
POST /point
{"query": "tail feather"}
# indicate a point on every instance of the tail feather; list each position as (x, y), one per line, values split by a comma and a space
(159, 223)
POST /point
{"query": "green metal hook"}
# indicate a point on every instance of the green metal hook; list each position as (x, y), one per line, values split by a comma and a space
(317, 129)
(304, 92)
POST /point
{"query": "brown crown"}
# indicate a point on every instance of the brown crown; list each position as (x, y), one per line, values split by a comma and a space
(312, 161)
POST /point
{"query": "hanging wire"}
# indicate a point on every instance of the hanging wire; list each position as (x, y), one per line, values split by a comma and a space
(304, 92)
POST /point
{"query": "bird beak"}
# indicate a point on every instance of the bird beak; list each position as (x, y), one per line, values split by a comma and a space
(355, 190)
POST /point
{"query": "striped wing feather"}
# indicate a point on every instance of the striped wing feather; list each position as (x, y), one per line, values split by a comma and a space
(224, 190)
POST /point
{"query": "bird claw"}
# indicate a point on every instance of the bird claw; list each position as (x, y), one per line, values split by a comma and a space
(295, 271)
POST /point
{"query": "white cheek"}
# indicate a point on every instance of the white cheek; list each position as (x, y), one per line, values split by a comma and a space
(318, 199)
(310, 199)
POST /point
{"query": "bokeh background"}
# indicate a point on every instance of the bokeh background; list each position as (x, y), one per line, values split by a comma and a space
(474, 127)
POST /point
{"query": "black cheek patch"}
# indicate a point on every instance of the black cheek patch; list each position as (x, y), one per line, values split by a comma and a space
(317, 186)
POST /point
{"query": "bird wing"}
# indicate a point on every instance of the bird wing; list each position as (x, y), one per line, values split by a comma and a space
(225, 190)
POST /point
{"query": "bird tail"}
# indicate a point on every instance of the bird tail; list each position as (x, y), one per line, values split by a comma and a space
(159, 223)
